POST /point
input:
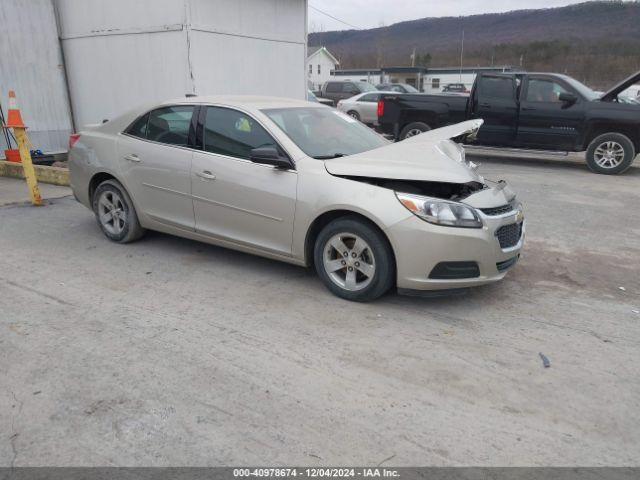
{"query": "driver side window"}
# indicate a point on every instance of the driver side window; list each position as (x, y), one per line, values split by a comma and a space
(542, 90)
(233, 133)
(170, 125)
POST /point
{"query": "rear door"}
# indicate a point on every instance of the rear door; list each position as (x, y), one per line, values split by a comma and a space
(545, 121)
(495, 100)
(368, 108)
(154, 158)
(233, 198)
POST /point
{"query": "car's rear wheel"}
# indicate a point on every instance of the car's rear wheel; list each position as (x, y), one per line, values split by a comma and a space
(610, 154)
(354, 114)
(354, 260)
(115, 213)
(413, 129)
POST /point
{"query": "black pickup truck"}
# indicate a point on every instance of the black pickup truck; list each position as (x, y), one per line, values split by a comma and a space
(538, 111)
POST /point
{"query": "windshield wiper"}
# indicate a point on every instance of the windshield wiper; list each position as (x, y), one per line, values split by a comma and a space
(329, 157)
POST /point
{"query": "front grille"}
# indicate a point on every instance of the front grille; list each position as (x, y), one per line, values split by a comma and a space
(509, 235)
(492, 212)
(507, 264)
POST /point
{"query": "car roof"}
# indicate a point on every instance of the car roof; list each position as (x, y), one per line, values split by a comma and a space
(243, 101)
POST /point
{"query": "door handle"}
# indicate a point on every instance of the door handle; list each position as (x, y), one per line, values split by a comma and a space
(206, 175)
(527, 109)
(485, 105)
(132, 157)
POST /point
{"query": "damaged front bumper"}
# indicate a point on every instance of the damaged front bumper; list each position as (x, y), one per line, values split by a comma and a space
(434, 257)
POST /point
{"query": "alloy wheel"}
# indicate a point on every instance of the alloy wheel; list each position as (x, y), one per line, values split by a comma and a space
(413, 132)
(111, 212)
(349, 261)
(609, 154)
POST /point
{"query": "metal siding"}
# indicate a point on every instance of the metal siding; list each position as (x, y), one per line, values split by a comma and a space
(110, 75)
(31, 64)
(281, 20)
(103, 17)
(226, 64)
(123, 53)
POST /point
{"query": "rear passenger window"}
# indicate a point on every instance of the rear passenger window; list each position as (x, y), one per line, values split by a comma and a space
(233, 133)
(497, 87)
(371, 97)
(333, 87)
(170, 125)
(139, 127)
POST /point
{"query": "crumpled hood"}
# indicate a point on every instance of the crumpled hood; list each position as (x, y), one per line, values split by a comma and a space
(430, 156)
(620, 87)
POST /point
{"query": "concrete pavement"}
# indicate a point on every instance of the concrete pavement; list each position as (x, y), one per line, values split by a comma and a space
(14, 190)
(171, 352)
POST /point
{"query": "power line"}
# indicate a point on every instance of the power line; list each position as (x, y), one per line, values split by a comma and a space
(331, 16)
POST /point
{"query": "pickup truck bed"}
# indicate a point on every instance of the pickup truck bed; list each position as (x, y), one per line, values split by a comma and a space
(432, 110)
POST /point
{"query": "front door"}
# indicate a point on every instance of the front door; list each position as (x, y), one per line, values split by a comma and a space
(495, 101)
(234, 198)
(545, 120)
(155, 164)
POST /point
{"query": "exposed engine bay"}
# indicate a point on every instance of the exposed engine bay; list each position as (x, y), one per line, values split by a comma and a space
(443, 190)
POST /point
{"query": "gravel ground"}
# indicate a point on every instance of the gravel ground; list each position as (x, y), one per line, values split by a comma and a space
(171, 352)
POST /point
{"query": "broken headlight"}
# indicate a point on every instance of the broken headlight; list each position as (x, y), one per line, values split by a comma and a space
(441, 212)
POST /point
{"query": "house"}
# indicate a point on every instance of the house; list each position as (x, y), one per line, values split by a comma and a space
(320, 64)
(425, 79)
(95, 59)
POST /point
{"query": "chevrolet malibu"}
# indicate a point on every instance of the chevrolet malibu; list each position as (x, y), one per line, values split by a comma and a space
(301, 183)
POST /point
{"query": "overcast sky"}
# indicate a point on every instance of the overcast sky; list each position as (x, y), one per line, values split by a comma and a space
(373, 13)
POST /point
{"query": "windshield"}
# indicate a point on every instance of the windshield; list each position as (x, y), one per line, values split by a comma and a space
(410, 89)
(325, 133)
(365, 86)
(581, 88)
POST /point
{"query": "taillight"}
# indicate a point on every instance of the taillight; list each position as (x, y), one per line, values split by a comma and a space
(73, 138)
(380, 108)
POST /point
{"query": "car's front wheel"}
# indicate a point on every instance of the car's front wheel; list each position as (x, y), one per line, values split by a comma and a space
(354, 260)
(115, 213)
(610, 153)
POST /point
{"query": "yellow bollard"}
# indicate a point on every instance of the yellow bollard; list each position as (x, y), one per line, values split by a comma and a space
(27, 166)
(14, 120)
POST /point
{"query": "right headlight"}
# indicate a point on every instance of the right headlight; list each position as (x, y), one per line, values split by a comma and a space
(440, 212)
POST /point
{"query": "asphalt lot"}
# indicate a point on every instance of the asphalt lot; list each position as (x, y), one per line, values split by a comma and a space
(171, 352)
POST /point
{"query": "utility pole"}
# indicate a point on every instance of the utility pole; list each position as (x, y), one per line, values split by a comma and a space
(461, 54)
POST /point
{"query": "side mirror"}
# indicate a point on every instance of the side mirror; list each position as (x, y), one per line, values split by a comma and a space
(269, 156)
(568, 98)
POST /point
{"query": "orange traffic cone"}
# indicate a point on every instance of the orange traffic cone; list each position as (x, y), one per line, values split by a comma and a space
(14, 118)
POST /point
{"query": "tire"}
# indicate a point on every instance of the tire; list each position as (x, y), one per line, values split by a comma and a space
(127, 227)
(367, 251)
(610, 154)
(413, 129)
(354, 114)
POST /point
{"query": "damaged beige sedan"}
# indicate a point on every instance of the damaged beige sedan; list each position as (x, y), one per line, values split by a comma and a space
(302, 183)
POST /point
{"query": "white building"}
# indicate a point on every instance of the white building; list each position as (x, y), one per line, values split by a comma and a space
(118, 54)
(320, 64)
(425, 79)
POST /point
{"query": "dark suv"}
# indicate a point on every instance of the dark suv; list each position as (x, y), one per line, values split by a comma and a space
(341, 90)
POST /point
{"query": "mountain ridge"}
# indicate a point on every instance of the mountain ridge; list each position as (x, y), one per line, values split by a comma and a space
(575, 39)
